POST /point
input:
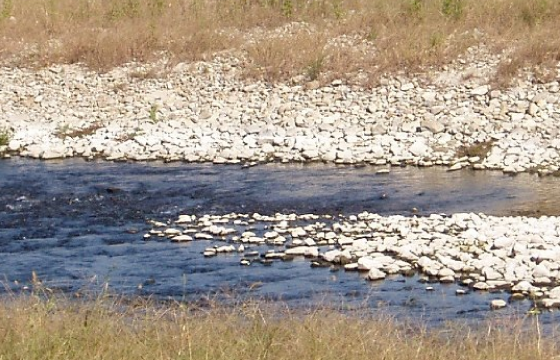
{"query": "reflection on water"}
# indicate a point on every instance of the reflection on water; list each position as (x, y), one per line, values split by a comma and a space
(80, 224)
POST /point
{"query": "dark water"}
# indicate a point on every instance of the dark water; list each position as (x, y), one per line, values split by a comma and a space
(79, 226)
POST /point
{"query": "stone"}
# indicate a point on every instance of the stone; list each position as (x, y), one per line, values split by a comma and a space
(376, 274)
(502, 242)
(446, 272)
(541, 271)
(491, 274)
(407, 86)
(479, 91)
(368, 263)
(331, 256)
(481, 286)
(419, 149)
(433, 126)
(172, 232)
(550, 303)
(522, 286)
(455, 167)
(554, 293)
(203, 236)
(181, 238)
(498, 304)
(14, 145)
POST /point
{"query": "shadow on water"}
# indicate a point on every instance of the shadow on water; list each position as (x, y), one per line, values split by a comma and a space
(79, 224)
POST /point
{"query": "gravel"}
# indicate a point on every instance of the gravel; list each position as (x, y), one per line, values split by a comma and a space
(203, 112)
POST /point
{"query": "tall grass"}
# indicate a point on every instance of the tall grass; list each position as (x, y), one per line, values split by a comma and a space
(34, 328)
(377, 36)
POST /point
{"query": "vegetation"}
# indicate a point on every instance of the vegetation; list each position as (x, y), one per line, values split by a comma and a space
(66, 131)
(281, 38)
(5, 136)
(153, 113)
(32, 327)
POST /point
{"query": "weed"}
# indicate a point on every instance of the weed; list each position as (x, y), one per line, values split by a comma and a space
(124, 9)
(156, 7)
(505, 73)
(5, 136)
(6, 9)
(452, 8)
(287, 9)
(415, 8)
(534, 12)
(62, 131)
(338, 9)
(144, 74)
(65, 131)
(314, 69)
(120, 86)
(372, 35)
(153, 113)
(480, 150)
(436, 40)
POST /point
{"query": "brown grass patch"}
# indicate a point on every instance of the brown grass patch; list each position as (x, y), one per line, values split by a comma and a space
(480, 150)
(31, 328)
(66, 131)
(389, 36)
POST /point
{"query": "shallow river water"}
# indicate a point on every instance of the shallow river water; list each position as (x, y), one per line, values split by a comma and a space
(78, 225)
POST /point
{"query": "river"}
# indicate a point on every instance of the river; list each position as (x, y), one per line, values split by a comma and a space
(78, 225)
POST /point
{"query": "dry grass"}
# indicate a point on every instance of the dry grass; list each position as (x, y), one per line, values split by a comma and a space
(31, 328)
(374, 36)
(66, 131)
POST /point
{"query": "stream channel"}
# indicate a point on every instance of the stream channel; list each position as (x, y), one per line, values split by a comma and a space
(79, 226)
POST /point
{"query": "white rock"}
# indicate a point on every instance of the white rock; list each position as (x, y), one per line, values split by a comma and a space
(481, 286)
(203, 236)
(446, 272)
(481, 90)
(498, 304)
(503, 242)
(554, 293)
(181, 238)
(376, 274)
(541, 271)
(331, 256)
(368, 263)
(419, 149)
(551, 303)
(407, 86)
(14, 145)
(172, 232)
(522, 286)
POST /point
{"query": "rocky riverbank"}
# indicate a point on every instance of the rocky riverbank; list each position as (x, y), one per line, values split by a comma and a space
(519, 255)
(203, 112)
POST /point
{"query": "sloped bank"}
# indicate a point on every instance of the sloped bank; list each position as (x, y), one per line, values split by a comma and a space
(520, 255)
(202, 112)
